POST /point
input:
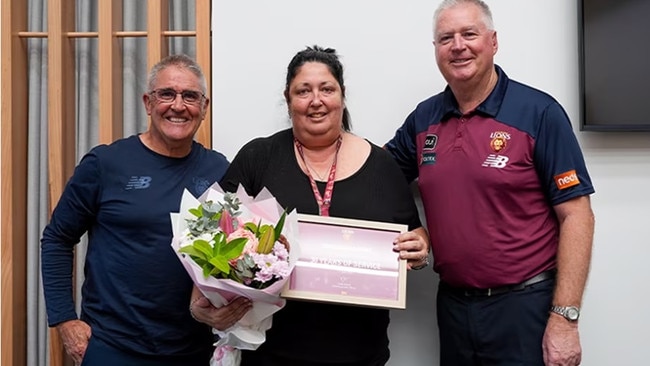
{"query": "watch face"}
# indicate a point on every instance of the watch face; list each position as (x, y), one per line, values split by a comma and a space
(572, 313)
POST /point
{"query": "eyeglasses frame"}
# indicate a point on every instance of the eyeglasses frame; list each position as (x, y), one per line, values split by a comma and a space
(154, 93)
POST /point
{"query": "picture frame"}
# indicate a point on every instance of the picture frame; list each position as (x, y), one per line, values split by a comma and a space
(348, 261)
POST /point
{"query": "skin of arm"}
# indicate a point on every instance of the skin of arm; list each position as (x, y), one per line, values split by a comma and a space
(561, 343)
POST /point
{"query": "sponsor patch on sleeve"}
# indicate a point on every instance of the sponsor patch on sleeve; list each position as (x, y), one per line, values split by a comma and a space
(566, 179)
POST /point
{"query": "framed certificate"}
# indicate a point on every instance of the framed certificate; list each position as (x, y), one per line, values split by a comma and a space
(348, 261)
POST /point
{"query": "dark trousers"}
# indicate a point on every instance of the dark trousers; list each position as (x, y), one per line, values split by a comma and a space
(99, 353)
(503, 330)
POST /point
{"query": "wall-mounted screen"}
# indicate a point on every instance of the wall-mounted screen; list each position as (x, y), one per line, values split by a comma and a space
(615, 65)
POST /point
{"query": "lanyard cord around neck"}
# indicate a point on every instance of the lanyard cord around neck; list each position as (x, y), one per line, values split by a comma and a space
(325, 200)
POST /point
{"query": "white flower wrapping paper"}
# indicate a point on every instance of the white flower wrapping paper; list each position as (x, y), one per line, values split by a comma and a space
(250, 332)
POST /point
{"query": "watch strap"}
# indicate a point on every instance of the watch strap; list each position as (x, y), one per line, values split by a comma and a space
(423, 265)
(570, 313)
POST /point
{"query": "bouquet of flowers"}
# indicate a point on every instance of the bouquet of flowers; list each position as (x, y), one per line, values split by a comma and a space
(234, 245)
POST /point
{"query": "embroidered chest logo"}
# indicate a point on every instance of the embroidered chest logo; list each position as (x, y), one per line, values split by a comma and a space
(200, 184)
(428, 156)
(430, 142)
(499, 140)
(495, 161)
(567, 179)
(136, 182)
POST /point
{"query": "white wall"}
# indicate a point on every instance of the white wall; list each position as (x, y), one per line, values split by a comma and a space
(386, 50)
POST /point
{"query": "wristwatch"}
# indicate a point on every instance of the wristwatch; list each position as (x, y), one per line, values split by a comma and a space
(570, 313)
(423, 265)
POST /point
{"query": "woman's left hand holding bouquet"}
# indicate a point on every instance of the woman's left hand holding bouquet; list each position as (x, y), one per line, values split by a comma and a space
(220, 318)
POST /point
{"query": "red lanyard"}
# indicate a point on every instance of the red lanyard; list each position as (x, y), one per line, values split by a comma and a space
(325, 200)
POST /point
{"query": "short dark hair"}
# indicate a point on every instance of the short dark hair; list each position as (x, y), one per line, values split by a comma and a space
(329, 58)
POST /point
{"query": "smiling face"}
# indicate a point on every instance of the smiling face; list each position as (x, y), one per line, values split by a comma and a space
(315, 102)
(174, 123)
(464, 45)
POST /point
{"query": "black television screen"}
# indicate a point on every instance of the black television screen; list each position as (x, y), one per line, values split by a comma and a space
(615, 65)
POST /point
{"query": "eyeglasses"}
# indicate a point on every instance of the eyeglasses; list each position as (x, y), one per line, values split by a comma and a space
(169, 95)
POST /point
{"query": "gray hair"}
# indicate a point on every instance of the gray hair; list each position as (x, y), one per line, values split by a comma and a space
(446, 4)
(180, 61)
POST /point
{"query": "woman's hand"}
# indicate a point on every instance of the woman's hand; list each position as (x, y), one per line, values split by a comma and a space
(414, 247)
(220, 318)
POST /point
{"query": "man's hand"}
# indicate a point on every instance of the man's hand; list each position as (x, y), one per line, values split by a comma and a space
(75, 335)
(413, 246)
(561, 342)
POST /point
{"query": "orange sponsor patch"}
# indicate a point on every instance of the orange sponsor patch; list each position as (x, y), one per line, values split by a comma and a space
(566, 179)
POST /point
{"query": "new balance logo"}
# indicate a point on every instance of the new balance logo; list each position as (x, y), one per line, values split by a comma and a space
(136, 182)
(495, 161)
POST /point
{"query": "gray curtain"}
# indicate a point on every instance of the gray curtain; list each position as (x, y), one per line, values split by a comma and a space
(87, 129)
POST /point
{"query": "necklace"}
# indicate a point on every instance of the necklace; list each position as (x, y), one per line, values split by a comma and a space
(311, 169)
(325, 200)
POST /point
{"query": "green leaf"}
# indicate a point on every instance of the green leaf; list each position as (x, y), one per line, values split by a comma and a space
(202, 262)
(280, 225)
(206, 271)
(193, 252)
(196, 211)
(199, 248)
(219, 241)
(203, 247)
(220, 263)
(216, 273)
(233, 248)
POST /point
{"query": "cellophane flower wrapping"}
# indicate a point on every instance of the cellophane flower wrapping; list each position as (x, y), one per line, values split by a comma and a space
(250, 332)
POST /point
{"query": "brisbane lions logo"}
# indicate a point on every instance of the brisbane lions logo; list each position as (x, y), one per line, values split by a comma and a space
(499, 140)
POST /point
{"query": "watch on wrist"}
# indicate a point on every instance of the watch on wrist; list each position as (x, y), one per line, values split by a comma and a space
(570, 313)
(423, 265)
